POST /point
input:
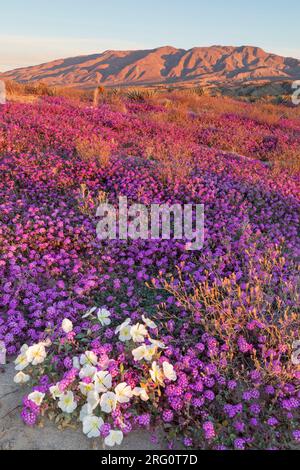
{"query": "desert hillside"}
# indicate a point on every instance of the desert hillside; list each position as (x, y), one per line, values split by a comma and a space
(163, 65)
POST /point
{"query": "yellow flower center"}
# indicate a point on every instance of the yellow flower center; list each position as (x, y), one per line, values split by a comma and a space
(37, 355)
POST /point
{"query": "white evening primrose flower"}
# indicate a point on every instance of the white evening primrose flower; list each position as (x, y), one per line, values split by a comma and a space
(108, 402)
(89, 357)
(144, 352)
(92, 426)
(55, 392)
(22, 362)
(169, 371)
(24, 348)
(36, 397)
(67, 326)
(120, 327)
(76, 363)
(150, 352)
(141, 393)
(125, 334)
(124, 331)
(102, 381)
(84, 412)
(87, 371)
(156, 374)
(157, 343)
(93, 399)
(149, 323)
(114, 438)
(138, 333)
(89, 313)
(86, 388)
(21, 378)
(139, 353)
(123, 392)
(103, 316)
(36, 354)
(67, 403)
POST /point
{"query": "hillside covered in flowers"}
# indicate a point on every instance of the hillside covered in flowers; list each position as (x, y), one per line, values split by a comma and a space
(145, 333)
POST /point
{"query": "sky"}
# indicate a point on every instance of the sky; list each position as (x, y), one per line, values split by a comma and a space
(37, 31)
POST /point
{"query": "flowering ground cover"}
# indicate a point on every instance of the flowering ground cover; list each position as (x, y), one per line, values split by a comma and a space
(199, 342)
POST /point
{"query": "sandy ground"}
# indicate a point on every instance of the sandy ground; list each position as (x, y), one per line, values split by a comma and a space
(14, 435)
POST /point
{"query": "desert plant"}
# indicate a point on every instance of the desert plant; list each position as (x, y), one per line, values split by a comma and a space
(88, 203)
(115, 98)
(227, 314)
(91, 391)
(38, 89)
(136, 95)
(175, 162)
(98, 93)
(94, 149)
(198, 90)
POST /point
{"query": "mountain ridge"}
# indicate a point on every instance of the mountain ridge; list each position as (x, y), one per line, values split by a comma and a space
(162, 65)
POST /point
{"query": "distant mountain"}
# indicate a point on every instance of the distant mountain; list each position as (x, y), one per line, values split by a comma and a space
(164, 65)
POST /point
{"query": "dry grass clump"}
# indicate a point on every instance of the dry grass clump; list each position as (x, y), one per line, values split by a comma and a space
(263, 113)
(31, 89)
(88, 203)
(225, 312)
(74, 94)
(182, 101)
(30, 92)
(175, 162)
(288, 160)
(115, 98)
(95, 149)
(3, 143)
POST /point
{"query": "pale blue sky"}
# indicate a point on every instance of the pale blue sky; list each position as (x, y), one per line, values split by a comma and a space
(35, 31)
